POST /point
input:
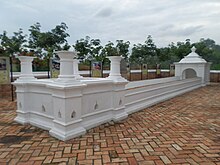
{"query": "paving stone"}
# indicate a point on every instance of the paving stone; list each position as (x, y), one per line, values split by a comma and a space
(182, 130)
(177, 147)
(165, 159)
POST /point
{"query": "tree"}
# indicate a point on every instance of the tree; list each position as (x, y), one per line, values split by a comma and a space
(137, 53)
(89, 49)
(96, 50)
(209, 51)
(14, 44)
(120, 49)
(110, 49)
(174, 53)
(92, 48)
(150, 55)
(205, 48)
(34, 41)
(82, 47)
(123, 48)
(183, 48)
(59, 35)
(45, 43)
(144, 53)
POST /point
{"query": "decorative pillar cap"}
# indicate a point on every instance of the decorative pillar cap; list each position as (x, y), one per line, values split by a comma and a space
(192, 57)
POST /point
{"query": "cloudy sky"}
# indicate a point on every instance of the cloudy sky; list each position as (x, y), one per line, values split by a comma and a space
(166, 20)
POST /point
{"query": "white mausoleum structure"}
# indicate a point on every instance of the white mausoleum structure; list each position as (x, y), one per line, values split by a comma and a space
(193, 65)
(71, 104)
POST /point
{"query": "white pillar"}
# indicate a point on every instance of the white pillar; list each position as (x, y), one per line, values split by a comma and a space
(76, 69)
(115, 69)
(115, 66)
(66, 65)
(118, 95)
(26, 68)
(23, 99)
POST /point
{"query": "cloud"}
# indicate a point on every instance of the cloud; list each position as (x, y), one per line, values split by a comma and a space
(166, 20)
(187, 31)
(180, 30)
(106, 12)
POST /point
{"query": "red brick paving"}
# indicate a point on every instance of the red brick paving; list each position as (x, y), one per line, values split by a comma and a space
(182, 130)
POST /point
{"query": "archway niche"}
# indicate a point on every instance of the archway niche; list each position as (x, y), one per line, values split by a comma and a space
(192, 66)
(189, 73)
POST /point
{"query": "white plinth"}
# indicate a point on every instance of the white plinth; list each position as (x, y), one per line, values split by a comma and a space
(66, 66)
(26, 68)
(115, 69)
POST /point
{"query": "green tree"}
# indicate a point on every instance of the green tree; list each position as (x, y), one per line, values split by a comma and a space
(150, 55)
(13, 44)
(82, 47)
(208, 49)
(205, 48)
(137, 54)
(45, 43)
(110, 50)
(173, 53)
(96, 50)
(183, 48)
(145, 53)
(34, 42)
(89, 49)
(92, 48)
(123, 48)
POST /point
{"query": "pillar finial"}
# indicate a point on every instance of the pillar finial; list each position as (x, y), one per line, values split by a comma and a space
(193, 49)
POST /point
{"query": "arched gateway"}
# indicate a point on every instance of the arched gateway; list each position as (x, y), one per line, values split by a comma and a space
(192, 66)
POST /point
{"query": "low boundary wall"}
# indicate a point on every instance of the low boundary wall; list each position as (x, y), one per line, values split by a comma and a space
(68, 111)
(142, 94)
(71, 104)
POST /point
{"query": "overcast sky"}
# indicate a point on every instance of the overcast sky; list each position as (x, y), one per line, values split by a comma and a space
(165, 20)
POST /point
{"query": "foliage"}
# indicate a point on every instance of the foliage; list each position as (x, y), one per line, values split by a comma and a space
(110, 49)
(45, 43)
(148, 53)
(123, 48)
(183, 48)
(82, 47)
(42, 44)
(89, 49)
(96, 49)
(144, 53)
(206, 48)
(40, 64)
(14, 44)
(93, 50)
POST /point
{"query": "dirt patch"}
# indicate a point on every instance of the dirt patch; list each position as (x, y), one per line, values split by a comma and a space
(13, 139)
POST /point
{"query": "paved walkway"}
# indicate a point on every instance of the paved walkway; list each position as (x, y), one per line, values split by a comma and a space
(183, 130)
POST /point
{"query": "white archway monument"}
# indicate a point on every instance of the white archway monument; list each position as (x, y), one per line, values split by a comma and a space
(70, 105)
(193, 65)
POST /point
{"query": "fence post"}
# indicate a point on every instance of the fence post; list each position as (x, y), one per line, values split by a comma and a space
(11, 74)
